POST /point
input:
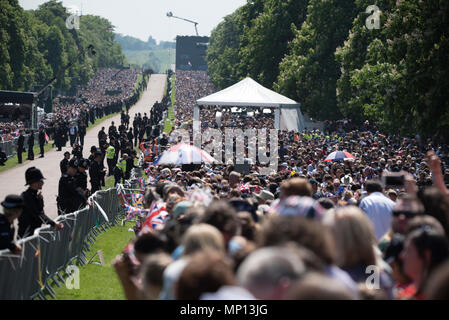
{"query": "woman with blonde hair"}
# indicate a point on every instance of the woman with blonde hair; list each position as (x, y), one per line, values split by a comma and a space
(198, 237)
(355, 247)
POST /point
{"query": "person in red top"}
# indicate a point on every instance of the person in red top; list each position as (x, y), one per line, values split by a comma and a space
(146, 150)
(424, 250)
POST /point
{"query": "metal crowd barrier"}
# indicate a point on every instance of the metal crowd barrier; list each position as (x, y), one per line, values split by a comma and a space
(46, 255)
(10, 147)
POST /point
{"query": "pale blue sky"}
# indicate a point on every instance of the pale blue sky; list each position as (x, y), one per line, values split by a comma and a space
(142, 18)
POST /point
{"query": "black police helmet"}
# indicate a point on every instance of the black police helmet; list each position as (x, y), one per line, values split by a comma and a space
(73, 163)
(33, 175)
(84, 163)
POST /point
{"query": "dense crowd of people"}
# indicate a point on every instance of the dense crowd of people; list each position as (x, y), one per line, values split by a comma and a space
(372, 227)
(107, 91)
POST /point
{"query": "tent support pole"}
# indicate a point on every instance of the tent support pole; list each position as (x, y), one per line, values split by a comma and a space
(277, 112)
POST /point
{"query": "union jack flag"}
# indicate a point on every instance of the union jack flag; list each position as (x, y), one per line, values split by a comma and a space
(142, 184)
(137, 200)
(156, 217)
(244, 188)
(131, 212)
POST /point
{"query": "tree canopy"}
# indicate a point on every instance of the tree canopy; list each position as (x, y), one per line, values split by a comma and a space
(36, 45)
(322, 54)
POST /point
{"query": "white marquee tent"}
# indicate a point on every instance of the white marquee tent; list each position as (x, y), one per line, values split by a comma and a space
(249, 93)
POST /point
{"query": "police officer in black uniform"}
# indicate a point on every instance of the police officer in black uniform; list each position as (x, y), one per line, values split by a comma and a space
(33, 214)
(82, 132)
(12, 209)
(77, 151)
(70, 197)
(20, 143)
(81, 176)
(30, 143)
(41, 140)
(64, 162)
(96, 172)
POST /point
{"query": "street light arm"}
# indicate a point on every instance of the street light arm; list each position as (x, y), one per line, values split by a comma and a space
(170, 15)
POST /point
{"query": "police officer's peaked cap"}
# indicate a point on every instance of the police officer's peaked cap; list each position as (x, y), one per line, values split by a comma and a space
(73, 163)
(13, 201)
(66, 153)
(32, 175)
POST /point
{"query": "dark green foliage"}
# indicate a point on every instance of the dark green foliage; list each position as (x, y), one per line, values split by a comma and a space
(395, 76)
(225, 67)
(36, 45)
(309, 72)
(398, 76)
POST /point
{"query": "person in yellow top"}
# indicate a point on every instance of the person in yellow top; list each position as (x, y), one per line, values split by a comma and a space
(120, 170)
(110, 155)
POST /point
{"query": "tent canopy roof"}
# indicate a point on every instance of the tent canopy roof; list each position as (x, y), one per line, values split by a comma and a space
(247, 93)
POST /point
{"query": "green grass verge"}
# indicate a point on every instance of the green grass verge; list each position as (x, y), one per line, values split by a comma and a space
(109, 183)
(13, 161)
(169, 122)
(139, 80)
(100, 282)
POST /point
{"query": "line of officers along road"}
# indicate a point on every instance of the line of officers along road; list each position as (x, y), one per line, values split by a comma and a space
(73, 192)
(73, 195)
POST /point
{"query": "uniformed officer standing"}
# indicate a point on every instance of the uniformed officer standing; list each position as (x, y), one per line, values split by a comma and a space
(122, 166)
(20, 144)
(30, 143)
(96, 172)
(82, 132)
(110, 155)
(130, 163)
(41, 140)
(77, 151)
(70, 197)
(33, 214)
(91, 158)
(12, 209)
(81, 176)
(64, 162)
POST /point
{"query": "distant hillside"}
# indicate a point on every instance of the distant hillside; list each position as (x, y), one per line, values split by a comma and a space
(148, 54)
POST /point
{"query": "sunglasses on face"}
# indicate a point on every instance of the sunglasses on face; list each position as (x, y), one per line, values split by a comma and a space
(407, 214)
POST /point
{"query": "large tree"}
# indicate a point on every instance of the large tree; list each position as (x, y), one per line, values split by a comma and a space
(226, 42)
(268, 37)
(309, 72)
(403, 81)
(35, 45)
